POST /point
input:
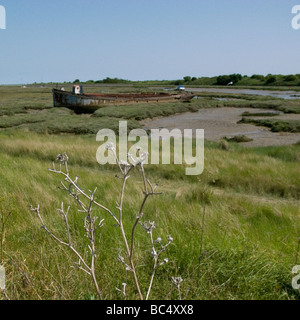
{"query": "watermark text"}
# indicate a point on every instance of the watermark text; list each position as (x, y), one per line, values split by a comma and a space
(296, 18)
(167, 147)
(2, 17)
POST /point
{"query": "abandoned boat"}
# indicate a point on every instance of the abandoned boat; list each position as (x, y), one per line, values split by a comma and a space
(89, 102)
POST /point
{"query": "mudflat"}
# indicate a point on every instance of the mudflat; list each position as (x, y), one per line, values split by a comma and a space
(221, 122)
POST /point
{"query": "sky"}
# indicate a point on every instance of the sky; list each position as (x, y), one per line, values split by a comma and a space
(64, 40)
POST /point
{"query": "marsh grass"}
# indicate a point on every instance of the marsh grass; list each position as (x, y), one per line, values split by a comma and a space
(251, 198)
(251, 225)
(260, 114)
(238, 139)
(275, 125)
(147, 110)
(31, 108)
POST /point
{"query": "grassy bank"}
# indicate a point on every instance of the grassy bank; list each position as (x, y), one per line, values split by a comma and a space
(251, 224)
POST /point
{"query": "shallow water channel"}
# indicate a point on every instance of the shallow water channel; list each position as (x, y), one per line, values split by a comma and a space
(272, 93)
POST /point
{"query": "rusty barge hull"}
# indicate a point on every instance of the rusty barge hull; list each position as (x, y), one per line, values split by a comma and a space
(89, 102)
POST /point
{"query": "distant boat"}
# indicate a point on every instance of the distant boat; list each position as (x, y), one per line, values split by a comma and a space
(89, 102)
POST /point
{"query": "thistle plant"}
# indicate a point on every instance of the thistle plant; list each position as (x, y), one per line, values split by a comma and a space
(177, 283)
(87, 201)
(149, 227)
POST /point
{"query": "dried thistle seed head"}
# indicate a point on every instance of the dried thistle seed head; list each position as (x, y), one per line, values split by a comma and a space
(143, 156)
(170, 239)
(110, 146)
(177, 281)
(158, 240)
(166, 260)
(148, 226)
(62, 158)
(121, 259)
(124, 163)
(152, 224)
(134, 161)
(59, 157)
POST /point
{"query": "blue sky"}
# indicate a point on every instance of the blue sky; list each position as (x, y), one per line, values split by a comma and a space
(61, 40)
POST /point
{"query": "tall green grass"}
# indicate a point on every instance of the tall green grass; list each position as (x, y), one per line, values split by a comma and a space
(250, 229)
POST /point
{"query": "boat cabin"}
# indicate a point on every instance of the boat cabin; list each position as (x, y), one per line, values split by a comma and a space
(77, 89)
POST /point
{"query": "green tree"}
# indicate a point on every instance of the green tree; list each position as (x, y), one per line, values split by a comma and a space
(258, 77)
(226, 79)
(290, 78)
(270, 79)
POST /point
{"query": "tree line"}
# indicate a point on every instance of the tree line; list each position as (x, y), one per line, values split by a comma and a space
(235, 79)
